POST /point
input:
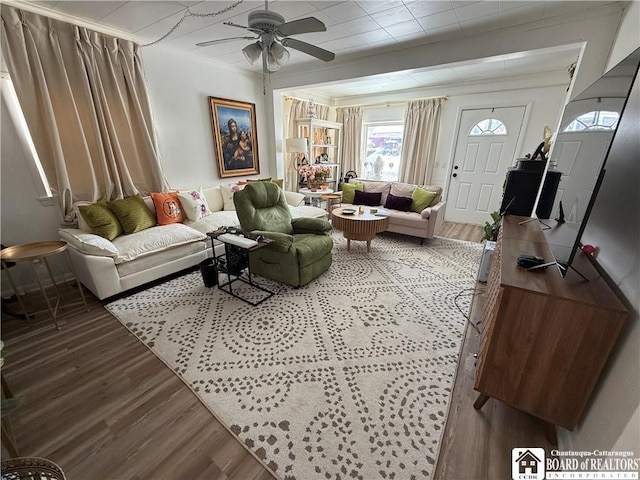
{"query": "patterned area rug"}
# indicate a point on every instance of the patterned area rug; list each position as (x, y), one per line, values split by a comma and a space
(347, 377)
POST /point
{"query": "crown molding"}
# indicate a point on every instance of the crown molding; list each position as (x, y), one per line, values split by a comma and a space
(81, 22)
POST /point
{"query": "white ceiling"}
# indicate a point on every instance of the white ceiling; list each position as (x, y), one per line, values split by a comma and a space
(353, 27)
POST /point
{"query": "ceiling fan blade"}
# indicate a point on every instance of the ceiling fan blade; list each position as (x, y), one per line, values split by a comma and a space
(309, 49)
(304, 25)
(223, 40)
(231, 24)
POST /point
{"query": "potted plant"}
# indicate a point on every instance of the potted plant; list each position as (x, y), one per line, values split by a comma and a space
(314, 175)
(491, 229)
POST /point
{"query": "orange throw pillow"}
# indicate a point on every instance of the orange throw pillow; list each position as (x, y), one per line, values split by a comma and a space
(168, 208)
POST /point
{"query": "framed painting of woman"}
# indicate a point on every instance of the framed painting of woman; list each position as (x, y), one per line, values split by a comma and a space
(234, 137)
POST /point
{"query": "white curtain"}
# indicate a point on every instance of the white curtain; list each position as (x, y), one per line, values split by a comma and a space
(298, 109)
(420, 142)
(86, 104)
(351, 141)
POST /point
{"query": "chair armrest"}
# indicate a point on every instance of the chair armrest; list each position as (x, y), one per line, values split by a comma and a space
(436, 218)
(88, 243)
(310, 225)
(294, 198)
(282, 241)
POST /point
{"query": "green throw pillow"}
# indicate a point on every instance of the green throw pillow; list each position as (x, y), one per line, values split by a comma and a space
(349, 191)
(101, 220)
(133, 213)
(279, 182)
(421, 199)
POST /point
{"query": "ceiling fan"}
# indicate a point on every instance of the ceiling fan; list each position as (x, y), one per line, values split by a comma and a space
(273, 35)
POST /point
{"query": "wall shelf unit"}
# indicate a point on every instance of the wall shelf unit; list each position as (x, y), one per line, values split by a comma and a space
(323, 138)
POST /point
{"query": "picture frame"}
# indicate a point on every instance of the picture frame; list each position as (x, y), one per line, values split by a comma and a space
(235, 137)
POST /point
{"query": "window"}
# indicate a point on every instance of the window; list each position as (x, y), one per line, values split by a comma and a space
(24, 137)
(488, 126)
(596, 120)
(383, 147)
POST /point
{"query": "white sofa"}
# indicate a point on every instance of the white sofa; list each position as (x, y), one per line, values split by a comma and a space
(108, 268)
(424, 225)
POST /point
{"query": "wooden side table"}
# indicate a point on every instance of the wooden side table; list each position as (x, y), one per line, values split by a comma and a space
(29, 252)
(332, 199)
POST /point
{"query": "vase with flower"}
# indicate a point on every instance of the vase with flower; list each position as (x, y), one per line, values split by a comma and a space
(315, 175)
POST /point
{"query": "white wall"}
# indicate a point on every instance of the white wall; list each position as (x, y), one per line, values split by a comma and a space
(179, 86)
(23, 218)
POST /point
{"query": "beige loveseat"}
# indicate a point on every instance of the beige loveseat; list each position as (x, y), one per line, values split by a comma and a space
(424, 225)
(110, 267)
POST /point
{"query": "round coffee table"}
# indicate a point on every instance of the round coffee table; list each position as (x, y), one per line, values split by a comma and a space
(359, 226)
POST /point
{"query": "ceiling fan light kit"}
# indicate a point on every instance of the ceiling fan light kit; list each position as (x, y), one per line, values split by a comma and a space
(273, 31)
(277, 57)
(252, 52)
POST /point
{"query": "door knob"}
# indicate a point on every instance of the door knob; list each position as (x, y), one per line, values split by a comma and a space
(455, 175)
(455, 167)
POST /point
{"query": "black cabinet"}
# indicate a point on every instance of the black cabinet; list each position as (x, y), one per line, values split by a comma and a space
(521, 188)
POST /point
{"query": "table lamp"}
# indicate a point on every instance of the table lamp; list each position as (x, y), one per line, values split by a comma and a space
(297, 146)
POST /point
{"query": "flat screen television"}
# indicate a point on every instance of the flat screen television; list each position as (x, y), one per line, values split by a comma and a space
(586, 133)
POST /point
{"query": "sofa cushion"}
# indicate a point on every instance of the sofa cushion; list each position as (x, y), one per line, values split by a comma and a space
(88, 242)
(366, 198)
(133, 214)
(214, 221)
(402, 204)
(154, 239)
(213, 195)
(407, 219)
(402, 189)
(349, 189)
(378, 187)
(141, 264)
(194, 204)
(227, 194)
(101, 220)
(168, 208)
(421, 199)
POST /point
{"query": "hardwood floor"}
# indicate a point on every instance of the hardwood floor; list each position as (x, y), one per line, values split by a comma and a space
(102, 406)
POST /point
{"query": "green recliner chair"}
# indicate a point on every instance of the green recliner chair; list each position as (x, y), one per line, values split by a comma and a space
(301, 250)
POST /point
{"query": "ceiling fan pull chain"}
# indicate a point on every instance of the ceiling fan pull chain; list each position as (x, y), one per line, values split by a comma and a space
(189, 13)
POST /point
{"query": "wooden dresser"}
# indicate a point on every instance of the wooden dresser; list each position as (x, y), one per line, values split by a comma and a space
(545, 338)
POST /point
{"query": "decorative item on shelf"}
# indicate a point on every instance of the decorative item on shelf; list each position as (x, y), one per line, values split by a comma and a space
(324, 158)
(378, 165)
(311, 110)
(314, 175)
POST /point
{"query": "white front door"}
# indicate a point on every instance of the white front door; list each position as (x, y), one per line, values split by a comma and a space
(486, 146)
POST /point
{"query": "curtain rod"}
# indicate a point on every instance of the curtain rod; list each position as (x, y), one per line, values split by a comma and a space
(291, 97)
(388, 104)
(378, 104)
